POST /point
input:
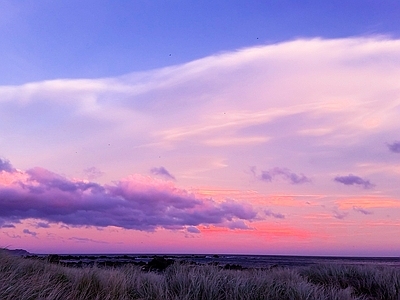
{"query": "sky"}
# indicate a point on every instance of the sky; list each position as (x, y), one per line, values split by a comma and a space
(241, 127)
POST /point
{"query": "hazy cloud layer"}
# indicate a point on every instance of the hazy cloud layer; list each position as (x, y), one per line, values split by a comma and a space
(137, 202)
(354, 180)
(286, 104)
(163, 172)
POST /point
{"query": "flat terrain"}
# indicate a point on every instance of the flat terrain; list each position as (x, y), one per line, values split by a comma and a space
(22, 278)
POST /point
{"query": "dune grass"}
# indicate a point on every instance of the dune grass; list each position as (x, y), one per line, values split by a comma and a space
(36, 279)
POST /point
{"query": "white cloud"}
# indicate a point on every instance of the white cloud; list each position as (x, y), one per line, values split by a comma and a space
(308, 105)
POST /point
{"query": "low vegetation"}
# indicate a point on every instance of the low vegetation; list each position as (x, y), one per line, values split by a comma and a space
(38, 279)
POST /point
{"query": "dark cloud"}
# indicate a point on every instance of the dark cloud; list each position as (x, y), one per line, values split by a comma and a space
(8, 226)
(42, 225)
(354, 180)
(395, 147)
(6, 166)
(134, 203)
(362, 210)
(266, 176)
(32, 233)
(162, 172)
(284, 173)
(275, 215)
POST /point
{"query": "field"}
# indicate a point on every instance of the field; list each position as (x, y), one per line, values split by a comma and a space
(22, 278)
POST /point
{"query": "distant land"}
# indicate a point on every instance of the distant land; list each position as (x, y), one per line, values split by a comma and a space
(16, 252)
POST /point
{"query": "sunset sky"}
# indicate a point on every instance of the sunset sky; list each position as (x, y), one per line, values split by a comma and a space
(242, 127)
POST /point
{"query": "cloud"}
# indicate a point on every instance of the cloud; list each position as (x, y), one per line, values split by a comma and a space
(86, 240)
(339, 214)
(93, 173)
(12, 236)
(362, 210)
(6, 166)
(394, 147)
(275, 215)
(7, 226)
(163, 172)
(238, 224)
(42, 225)
(291, 99)
(193, 229)
(354, 180)
(32, 233)
(137, 202)
(284, 173)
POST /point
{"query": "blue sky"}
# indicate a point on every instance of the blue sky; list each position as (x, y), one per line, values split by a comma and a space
(265, 127)
(89, 39)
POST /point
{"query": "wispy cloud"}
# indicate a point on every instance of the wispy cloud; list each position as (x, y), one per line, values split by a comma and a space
(12, 236)
(354, 180)
(137, 202)
(163, 172)
(339, 214)
(86, 240)
(93, 173)
(275, 215)
(284, 173)
(362, 210)
(199, 107)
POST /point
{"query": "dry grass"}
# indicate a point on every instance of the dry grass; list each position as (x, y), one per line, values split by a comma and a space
(32, 279)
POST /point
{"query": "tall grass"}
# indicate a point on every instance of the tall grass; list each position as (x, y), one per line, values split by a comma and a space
(35, 279)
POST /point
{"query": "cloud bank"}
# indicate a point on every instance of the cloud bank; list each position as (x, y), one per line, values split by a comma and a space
(137, 202)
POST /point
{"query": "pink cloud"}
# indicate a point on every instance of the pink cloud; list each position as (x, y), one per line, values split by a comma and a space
(137, 202)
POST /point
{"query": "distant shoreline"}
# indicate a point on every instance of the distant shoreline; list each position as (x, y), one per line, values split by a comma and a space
(243, 261)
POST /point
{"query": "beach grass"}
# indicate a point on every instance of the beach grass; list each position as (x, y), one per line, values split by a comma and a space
(29, 279)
